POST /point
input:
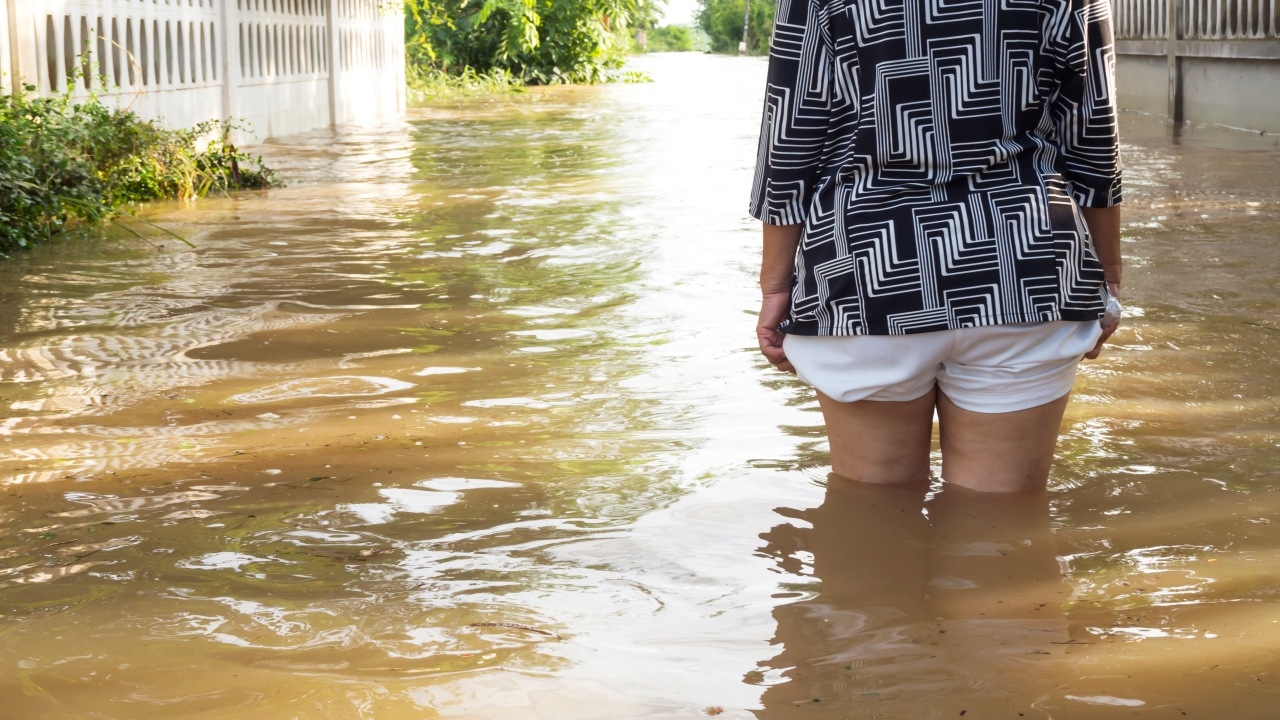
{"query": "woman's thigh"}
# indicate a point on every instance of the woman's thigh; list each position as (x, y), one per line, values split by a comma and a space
(999, 452)
(881, 442)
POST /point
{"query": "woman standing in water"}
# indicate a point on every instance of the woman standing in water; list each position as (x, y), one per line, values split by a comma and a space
(939, 182)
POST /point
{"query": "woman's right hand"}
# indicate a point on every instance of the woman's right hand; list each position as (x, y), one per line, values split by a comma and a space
(1109, 321)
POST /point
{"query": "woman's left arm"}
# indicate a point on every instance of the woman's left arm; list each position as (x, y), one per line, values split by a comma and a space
(777, 266)
(793, 134)
(797, 113)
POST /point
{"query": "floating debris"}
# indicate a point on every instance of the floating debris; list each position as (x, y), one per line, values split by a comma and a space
(515, 626)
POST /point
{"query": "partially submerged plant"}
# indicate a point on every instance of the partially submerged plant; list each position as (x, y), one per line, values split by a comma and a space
(66, 161)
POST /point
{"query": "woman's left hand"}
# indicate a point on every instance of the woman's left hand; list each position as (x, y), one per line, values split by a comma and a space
(773, 310)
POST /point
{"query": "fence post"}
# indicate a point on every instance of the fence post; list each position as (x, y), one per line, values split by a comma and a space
(335, 59)
(6, 47)
(28, 65)
(1175, 62)
(229, 57)
(13, 44)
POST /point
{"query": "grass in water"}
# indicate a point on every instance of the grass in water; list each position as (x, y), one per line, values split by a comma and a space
(428, 84)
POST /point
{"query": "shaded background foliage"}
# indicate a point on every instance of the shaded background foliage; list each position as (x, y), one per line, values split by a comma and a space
(722, 21)
(536, 41)
(677, 38)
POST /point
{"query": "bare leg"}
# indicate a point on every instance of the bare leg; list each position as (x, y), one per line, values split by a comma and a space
(880, 442)
(999, 452)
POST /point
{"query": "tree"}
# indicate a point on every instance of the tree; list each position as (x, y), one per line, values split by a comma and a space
(722, 21)
(537, 41)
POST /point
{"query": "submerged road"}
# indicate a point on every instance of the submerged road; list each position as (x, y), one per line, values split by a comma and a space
(467, 421)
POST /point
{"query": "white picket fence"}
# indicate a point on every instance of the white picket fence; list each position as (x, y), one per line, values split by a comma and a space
(1198, 19)
(284, 66)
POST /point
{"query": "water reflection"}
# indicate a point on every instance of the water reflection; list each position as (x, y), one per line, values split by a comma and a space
(916, 608)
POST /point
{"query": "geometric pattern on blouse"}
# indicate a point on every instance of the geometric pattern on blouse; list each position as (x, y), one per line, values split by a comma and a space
(937, 153)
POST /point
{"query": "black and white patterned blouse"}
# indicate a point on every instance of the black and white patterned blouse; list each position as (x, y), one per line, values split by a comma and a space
(935, 151)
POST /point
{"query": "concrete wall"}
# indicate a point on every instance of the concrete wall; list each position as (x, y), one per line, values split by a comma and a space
(1240, 93)
(284, 66)
(1237, 92)
(1142, 83)
(1200, 61)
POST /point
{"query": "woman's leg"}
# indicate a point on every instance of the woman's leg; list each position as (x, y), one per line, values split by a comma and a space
(880, 442)
(999, 452)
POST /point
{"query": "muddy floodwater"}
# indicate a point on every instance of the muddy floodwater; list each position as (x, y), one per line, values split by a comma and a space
(467, 421)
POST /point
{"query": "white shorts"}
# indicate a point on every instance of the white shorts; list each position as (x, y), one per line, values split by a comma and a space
(991, 369)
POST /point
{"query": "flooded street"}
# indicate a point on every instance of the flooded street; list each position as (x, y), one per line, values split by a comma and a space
(467, 421)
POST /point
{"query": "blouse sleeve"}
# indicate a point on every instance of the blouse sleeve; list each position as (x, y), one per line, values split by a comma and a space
(797, 109)
(1084, 111)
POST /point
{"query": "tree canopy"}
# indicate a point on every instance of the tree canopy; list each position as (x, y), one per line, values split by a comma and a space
(537, 41)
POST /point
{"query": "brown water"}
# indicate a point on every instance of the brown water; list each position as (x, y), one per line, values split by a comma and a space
(467, 422)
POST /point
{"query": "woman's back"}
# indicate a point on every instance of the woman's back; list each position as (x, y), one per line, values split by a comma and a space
(933, 151)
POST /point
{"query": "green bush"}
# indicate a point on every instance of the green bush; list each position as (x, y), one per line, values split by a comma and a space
(671, 38)
(722, 21)
(64, 161)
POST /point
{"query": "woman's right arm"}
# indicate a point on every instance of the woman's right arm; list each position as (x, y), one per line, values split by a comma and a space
(1084, 114)
(1084, 108)
(1104, 229)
